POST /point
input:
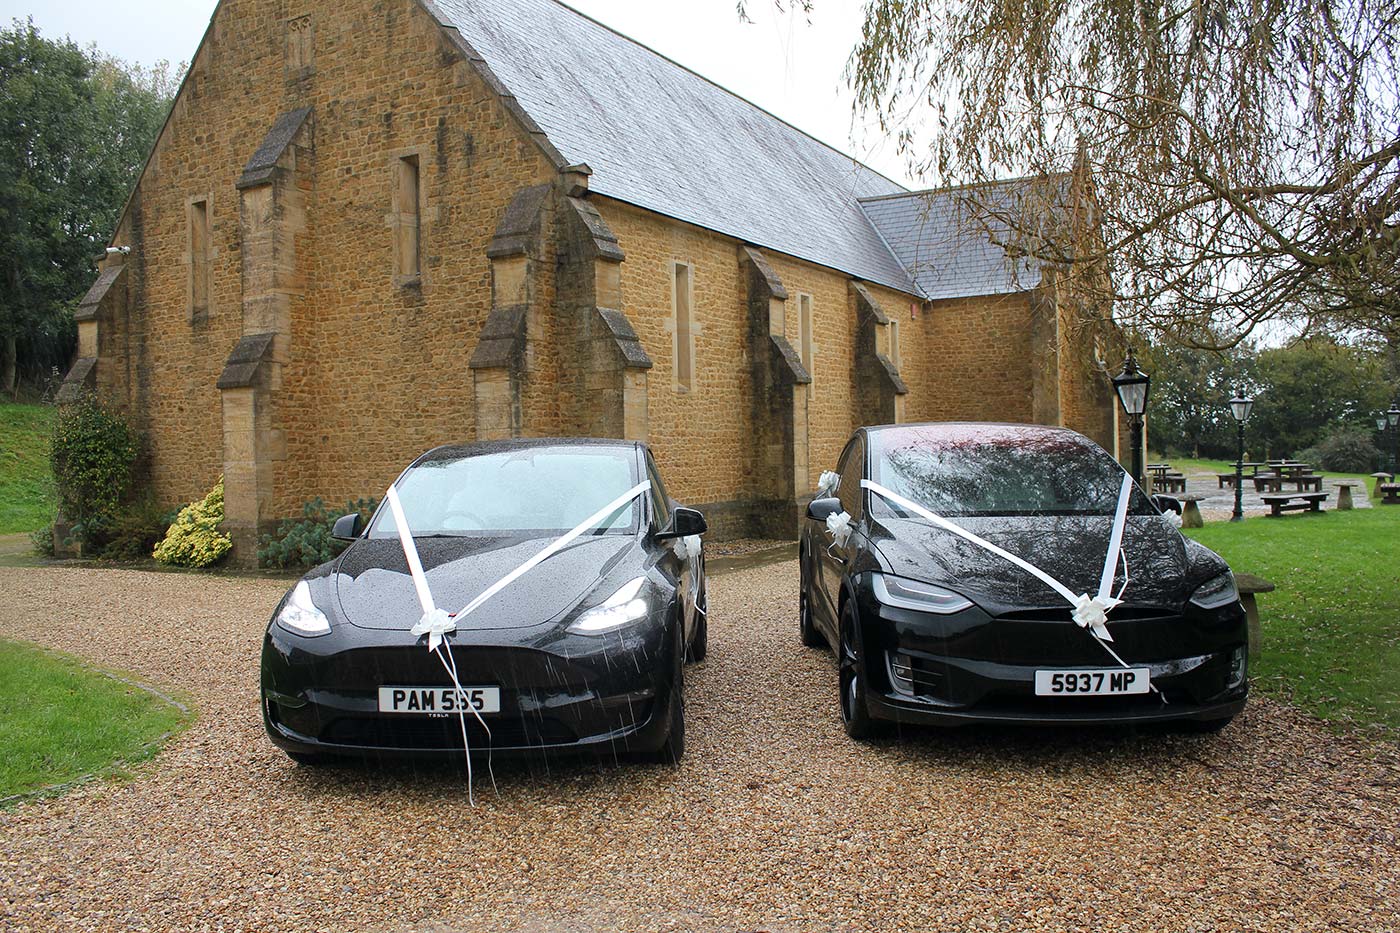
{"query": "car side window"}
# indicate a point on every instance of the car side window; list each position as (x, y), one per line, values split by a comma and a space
(851, 466)
(660, 502)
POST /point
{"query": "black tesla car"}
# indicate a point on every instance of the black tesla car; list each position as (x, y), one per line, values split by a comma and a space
(583, 651)
(941, 561)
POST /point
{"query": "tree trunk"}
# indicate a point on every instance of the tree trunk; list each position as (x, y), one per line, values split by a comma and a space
(9, 366)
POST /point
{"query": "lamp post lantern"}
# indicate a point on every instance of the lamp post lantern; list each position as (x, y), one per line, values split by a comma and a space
(1392, 418)
(1240, 407)
(1132, 385)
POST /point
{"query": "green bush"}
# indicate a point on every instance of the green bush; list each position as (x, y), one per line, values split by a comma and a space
(307, 542)
(1345, 451)
(194, 540)
(92, 455)
(42, 540)
(134, 534)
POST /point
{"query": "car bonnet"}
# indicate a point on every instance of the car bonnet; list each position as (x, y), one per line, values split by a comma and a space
(376, 591)
(1069, 548)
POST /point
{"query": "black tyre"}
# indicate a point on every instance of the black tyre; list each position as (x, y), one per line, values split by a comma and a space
(854, 714)
(808, 632)
(700, 643)
(672, 750)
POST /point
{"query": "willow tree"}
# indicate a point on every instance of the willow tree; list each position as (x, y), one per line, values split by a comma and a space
(1243, 153)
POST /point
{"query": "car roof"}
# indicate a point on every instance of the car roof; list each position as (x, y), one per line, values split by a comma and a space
(957, 430)
(478, 448)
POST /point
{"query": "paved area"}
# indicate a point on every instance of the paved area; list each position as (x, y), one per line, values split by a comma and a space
(1219, 504)
(774, 822)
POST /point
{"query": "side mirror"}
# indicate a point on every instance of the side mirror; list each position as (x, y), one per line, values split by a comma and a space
(1165, 504)
(820, 509)
(684, 523)
(348, 527)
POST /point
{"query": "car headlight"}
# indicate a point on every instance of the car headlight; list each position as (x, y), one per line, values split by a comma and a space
(921, 597)
(300, 616)
(1216, 592)
(621, 608)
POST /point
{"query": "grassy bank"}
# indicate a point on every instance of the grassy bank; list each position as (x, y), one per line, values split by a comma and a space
(1331, 632)
(26, 485)
(61, 721)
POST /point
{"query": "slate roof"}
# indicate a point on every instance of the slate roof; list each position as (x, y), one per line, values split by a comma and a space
(948, 239)
(661, 137)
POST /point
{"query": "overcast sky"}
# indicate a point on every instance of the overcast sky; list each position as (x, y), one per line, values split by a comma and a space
(781, 62)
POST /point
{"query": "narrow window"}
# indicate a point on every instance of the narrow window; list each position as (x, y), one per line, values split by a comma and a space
(408, 234)
(201, 269)
(804, 333)
(684, 333)
(894, 343)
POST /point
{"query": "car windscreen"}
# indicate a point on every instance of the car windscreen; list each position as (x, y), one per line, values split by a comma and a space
(538, 489)
(998, 471)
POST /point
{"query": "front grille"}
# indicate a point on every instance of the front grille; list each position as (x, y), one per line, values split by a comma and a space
(1066, 614)
(444, 733)
(915, 675)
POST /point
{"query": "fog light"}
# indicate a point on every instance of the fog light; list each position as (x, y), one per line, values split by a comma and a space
(901, 668)
(1239, 667)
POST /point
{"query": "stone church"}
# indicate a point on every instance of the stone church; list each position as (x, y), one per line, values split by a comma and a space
(370, 227)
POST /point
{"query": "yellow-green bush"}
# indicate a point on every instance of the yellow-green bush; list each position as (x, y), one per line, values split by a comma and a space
(194, 540)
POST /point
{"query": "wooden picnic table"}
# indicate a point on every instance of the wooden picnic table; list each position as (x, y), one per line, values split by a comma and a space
(1288, 502)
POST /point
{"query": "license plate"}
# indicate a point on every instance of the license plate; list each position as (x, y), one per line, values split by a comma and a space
(1092, 683)
(429, 700)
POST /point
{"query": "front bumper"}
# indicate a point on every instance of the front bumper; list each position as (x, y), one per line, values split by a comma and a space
(971, 667)
(559, 692)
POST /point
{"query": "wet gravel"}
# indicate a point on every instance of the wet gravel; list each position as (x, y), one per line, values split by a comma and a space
(774, 822)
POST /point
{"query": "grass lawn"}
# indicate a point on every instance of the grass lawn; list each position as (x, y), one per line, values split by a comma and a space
(61, 721)
(26, 485)
(1331, 632)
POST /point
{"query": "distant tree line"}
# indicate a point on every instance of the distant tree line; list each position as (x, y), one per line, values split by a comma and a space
(1315, 393)
(75, 130)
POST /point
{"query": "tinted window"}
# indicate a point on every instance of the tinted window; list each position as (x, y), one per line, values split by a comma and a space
(851, 468)
(661, 503)
(536, 489)
(998, 471)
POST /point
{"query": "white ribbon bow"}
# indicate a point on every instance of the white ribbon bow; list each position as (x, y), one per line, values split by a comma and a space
(687, 547)
(1091, 612)
(828, 482)
(435, 623)
(838, 525)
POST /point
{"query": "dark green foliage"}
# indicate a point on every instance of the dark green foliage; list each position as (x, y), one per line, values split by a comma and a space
(92, 455)
(75, 128)
(136, 531)
(307, 541)
(1345, 451)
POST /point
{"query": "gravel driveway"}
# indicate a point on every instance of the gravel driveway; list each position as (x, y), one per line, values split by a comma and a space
(775, 822)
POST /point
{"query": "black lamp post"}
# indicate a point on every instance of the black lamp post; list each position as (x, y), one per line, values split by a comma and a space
(1240, 406)
(1383, 429)
(1132, 385)
(1392, 418)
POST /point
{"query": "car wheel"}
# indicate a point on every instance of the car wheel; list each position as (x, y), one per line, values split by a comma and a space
(810, 636)
(700, 643)
(854, 715)
(673, 748)
(309, 759)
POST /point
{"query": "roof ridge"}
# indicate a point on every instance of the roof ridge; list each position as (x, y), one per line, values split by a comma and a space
(739, 97)
(993, 183)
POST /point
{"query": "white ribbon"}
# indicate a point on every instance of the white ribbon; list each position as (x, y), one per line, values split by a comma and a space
(827, 483)
(687, 547)
(1090, 612)
(437, 623)
(838, 525)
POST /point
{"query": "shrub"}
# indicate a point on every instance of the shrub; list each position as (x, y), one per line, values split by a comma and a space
(194, 539)
(307, 541)
(134, 534)
(92, 456)
(42, 539)
(1346, 451)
